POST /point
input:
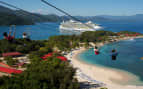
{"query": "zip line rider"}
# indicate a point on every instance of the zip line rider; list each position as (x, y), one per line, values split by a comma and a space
(25, 36)
(114, 54)
(9, 37)
(96, 50)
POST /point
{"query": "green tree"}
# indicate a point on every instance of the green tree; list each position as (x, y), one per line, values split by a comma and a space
(10, 61)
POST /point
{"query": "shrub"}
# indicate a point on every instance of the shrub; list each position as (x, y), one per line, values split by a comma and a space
(50, 74)
(10, 61)
(104, 88)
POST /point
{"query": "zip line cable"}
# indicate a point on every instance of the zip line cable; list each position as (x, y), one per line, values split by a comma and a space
(2, 2)
(62, 11)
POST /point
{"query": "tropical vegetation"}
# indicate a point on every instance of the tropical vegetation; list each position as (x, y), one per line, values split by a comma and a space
(52, 73)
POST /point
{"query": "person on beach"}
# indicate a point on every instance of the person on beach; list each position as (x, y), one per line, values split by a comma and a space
(114, 54)
(96, 50)
(8, 36)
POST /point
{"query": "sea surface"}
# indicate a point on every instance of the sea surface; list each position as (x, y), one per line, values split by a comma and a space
(130, 51)
(129, 58)
(41, 31)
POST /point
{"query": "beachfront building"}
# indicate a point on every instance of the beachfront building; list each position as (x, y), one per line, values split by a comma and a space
(13, 54)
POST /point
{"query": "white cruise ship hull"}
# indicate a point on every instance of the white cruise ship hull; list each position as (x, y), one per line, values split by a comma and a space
(78, 26)
(81, 29)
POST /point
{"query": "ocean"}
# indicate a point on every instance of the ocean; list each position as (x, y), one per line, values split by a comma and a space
(39, 31)
(42, 31)
(130, 51)
(129, 58)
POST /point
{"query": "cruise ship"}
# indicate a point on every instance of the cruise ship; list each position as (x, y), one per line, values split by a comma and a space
(78, 26)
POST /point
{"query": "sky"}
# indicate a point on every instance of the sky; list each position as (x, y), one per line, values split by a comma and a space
(82, 7)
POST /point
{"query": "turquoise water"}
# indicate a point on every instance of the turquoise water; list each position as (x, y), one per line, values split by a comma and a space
(129, 58)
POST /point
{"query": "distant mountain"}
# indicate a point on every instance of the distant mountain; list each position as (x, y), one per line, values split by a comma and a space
(92, 18)
(136, 18)
(86, 18)
(12, 19)
(5, 9)
(38, 17)
(18, 17)
(34, 17)
(8, 17)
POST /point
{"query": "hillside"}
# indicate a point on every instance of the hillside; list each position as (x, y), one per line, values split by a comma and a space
(37, 17)
(8, 17)
(5, 9)
(12, 19)
(18, 17)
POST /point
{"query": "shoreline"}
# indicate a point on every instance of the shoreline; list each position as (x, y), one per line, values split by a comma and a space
(102, 74)
(124, 74)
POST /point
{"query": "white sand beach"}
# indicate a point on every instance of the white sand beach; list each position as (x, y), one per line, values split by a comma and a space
(103, 75)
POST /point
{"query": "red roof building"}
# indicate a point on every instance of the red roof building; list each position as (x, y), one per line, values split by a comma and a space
(10, 71)
(62, 58)
(137, 34)
(51, 54)
(11, 54)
